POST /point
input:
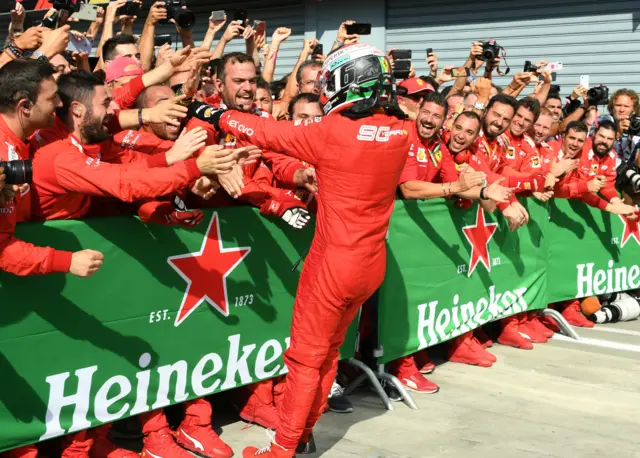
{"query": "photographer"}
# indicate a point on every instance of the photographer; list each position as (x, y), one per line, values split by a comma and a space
(28, 97)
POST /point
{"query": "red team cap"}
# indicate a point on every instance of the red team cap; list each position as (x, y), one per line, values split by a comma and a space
(415, 86)
(123, 66)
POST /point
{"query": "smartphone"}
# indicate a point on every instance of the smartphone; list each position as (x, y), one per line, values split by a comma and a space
(241, 16)
(584, 81)
(554, 75)
(455, 73)
(87, 12)
(359, 29)
(218, 15)
(402, 68)
(81, 44)
(318, 50)
(129, 9)
(401, 54)
(429, 51)
(554, 66)
(259, 27)
(162, 40)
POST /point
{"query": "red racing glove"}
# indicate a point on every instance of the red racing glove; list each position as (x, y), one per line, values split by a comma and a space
(288, 207)
(167, 214)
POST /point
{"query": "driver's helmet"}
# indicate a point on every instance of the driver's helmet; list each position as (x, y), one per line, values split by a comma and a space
(355, 77)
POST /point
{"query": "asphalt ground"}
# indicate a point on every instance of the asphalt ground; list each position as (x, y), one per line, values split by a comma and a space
(563, 399)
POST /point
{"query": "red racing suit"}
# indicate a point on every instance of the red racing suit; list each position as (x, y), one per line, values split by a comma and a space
(358, 163)
(16, 256)
(574, 185)
(429, 161)
(258, 179)
(66, 174)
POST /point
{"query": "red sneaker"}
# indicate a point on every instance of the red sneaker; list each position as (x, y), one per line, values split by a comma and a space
(273, 450)
(466, 349)
(424, 363)
(104, 448)
(419, 384)
(549, 323)
(574, 316)
(411, 378)
(525, 327)
(482, 338)
(161, 444)
(265, 415)
(535, 321)
(28, 451)
(510, 335)
(202, 440)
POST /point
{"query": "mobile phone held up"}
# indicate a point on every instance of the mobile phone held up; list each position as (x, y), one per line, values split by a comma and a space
(162, 40)
(455, 73)
(218, 15)
(359, 29)
(429, 52)
(260, 27)
(318, 50)
(401, 63)
(240, 15)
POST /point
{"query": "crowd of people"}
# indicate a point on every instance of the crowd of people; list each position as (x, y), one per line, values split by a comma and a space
(142, 132)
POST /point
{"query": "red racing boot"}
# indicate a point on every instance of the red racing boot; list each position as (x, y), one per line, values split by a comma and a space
(161, 444)
(28, 451)
(104, 448)
(574, 316)
(466, 349)
(408, 374)
(511, 336)
(483, 338)
(196, 434)
(525, 327)
(423, 362)
(535, 321)
(260, 408)
(272, 450)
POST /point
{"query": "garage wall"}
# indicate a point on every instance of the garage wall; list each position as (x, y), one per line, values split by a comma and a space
(590, 37)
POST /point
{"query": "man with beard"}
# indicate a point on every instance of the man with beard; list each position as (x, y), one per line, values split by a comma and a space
(67, 173)
(430, 172)
(28, 97)
(596, 173)
(237, 83)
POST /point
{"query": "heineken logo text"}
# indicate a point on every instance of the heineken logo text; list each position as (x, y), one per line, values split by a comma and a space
(172, 383)
(604, 281)
(437, 325)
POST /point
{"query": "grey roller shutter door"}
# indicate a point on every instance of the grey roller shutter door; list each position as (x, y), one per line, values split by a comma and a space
(590, 37)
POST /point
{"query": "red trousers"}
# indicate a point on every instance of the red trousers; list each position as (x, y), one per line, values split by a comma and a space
(330, 293)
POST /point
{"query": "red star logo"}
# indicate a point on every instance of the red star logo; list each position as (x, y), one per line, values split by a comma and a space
(206, 272)
(631, 229)
(478, 237)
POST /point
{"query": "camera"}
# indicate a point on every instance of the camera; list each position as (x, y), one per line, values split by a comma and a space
(634, 126)
(129, 9)
(490, 51)
(529, 67)
(626, 174)
(598, 95)
(177, 9)
(72, 6)
(17, 172)
(621, 307)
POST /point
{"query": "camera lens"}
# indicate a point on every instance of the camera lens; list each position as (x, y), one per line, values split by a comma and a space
(185, 18)
(17, 172)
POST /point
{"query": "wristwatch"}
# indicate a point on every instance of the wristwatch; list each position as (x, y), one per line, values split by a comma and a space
(38, 55)
(479, 106)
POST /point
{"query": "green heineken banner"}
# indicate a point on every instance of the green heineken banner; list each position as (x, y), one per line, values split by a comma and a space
(174, 314)
(590, 251)
(451, 270)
